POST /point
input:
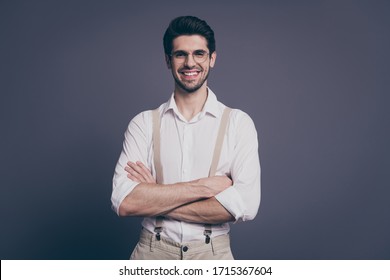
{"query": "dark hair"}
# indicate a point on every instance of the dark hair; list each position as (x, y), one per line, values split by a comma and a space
(188, 25)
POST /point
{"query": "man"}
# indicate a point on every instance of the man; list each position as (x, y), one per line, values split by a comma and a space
(190, 166)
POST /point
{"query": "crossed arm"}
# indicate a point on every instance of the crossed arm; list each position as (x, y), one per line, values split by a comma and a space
(192, 201)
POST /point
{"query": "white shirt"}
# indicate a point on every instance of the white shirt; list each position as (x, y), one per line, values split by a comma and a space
(186, 153)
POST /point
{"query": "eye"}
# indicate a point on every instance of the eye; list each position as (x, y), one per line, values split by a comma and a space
(180, 55)
(200, 53)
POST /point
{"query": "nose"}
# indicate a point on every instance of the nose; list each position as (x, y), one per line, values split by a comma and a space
(190, 62)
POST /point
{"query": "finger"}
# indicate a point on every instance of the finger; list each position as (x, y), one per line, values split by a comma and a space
(146, 171)
(131, 177)
(130, 163)
(135, 174)
(139, 170)
(140, 164)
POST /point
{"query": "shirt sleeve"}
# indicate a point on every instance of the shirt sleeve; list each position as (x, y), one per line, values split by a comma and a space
(242, 199)
(135, 148)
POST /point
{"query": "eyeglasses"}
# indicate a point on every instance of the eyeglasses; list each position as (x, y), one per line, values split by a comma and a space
(199, 56)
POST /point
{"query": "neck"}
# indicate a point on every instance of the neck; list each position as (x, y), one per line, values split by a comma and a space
(190, 104)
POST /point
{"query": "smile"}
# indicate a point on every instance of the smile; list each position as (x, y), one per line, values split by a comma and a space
(190, 74)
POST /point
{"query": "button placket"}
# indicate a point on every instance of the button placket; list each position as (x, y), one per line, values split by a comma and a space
(186, 140)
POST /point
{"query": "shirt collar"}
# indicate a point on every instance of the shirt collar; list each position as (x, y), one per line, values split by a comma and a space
(211, 106)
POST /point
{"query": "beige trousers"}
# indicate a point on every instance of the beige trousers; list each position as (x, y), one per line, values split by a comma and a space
(149, 248)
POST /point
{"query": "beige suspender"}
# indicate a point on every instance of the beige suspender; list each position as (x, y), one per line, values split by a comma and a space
(157, 163)
(217, 154)
(219, 141)
(214, 163)
(156, 146)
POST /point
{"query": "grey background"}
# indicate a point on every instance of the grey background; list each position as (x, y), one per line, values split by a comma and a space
(313, 75)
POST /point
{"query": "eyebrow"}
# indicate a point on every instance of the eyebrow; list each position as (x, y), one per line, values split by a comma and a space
(182, 51)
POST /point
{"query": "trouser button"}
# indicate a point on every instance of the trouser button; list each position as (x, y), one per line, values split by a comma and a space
(185, 249)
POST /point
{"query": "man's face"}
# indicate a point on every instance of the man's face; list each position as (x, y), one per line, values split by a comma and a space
(190, 74)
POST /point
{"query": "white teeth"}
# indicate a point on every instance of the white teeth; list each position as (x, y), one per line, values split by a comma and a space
(190, 73)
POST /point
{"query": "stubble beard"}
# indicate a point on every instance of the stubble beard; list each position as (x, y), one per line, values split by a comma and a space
(194, 88)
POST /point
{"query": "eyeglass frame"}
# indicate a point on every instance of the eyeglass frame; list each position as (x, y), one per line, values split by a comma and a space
(186, 55)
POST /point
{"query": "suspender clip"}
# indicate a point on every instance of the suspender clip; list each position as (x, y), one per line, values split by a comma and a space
(207, 233)
(157, 230)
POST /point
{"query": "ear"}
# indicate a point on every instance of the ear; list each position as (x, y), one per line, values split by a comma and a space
(212, 59)
(168, 61)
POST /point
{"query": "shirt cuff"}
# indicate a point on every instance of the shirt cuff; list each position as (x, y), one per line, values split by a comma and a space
(232, 201)
(120, 191)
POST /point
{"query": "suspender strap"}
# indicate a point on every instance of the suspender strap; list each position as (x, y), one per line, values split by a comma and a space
(157, 163)
(217, 154)
(157, 146)
(219, 141)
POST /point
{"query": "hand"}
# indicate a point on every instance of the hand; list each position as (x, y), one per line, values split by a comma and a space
(138, 172)
(216, 184)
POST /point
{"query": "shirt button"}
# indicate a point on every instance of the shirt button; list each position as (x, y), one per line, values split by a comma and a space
(185, 249)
